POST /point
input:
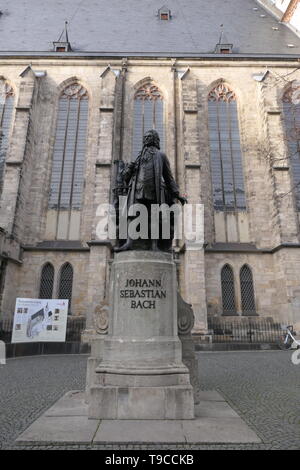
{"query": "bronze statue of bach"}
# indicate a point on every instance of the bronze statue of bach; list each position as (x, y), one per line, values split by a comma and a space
(150, 181)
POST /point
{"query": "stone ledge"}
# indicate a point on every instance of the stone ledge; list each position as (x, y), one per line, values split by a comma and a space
(66, 422)
(13, 162)
(57, 245)
(281, 168)
(25, 107)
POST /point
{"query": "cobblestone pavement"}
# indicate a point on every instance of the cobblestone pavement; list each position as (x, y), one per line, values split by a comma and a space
(263, 387)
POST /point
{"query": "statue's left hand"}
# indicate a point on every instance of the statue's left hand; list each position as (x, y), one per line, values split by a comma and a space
(129, 169)
(182, 199)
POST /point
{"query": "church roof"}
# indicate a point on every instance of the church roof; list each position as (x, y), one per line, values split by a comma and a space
(134, 27)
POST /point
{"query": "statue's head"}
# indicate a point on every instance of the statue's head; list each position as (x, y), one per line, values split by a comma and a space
(151, 138)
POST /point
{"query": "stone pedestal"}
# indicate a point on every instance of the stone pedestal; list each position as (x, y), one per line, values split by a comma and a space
(141, 374)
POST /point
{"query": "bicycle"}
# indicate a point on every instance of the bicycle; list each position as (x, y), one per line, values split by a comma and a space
(287, 340)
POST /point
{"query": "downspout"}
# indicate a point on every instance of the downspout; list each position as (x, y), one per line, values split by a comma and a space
(118, 129)
(288, 15)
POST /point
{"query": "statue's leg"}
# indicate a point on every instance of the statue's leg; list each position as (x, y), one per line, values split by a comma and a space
(126, 247)
(168, 242)
(154, 245)
(155, 242)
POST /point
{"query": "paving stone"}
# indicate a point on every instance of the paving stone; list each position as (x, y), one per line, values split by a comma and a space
(218, 430)
(50, 429)
(70, 412)
(71, 404)
(210, 395)
(214, 409)
(130, 431)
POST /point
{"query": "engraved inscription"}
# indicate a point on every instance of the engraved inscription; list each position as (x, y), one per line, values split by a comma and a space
(143, 293)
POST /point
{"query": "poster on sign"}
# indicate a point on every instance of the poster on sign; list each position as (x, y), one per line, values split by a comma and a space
(40, 320)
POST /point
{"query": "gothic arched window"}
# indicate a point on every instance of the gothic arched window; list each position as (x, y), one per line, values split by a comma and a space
(291, 113)
(247, 291)
(225, 150)
(66, 283)
(67, 178)
(228, 292)
(148, 114)
(46, 282)
(7, 100)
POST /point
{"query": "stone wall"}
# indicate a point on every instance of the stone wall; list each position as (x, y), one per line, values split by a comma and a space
(270, 298)
(33, 262)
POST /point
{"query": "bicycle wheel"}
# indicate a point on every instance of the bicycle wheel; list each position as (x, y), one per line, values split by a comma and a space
(285, 342)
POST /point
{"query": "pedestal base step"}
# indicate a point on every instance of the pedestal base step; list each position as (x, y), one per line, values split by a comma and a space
(168, 402)
(67, 423)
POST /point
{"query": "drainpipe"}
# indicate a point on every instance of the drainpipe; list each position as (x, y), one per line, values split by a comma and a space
(118, 125)
(288, 15)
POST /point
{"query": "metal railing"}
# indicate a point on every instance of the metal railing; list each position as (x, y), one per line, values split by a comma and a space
(244, 330)
(222, 330)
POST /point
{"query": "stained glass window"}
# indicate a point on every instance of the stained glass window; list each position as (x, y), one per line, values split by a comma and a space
(46, 283)
(148, 114)
(247, 291)
(66, 283)
(225, 150)
(67, 177)
(228, 292)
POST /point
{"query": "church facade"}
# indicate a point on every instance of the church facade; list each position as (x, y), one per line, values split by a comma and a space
(228, 114)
